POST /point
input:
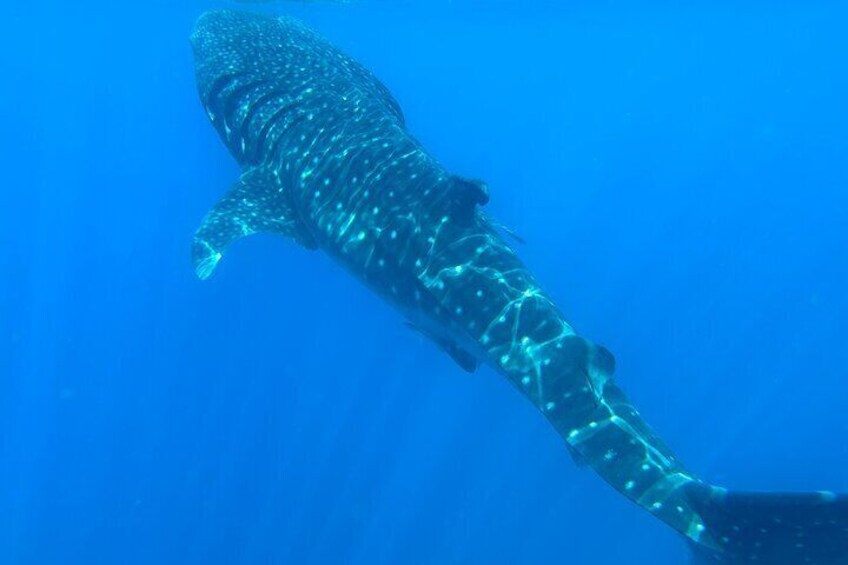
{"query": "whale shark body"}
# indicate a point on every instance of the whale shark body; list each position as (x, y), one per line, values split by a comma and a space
(328, 161)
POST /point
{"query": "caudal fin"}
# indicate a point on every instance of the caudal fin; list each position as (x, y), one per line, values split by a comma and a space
(772, 529)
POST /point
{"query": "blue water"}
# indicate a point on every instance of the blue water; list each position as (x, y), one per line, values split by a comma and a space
(680, 178)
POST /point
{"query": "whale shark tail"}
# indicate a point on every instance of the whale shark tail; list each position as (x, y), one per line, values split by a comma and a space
(603, 429)
(773, 529)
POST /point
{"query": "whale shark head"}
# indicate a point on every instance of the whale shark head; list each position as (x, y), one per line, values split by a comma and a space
(243, 39)
(250, 65)
(235, 53)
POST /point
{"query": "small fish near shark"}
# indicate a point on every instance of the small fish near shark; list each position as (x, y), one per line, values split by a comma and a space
(328, 162)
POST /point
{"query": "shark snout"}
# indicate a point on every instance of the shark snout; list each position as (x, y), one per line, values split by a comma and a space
(210, 32)
(228, 32)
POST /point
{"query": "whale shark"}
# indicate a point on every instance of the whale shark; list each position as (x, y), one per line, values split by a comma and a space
(328, 162)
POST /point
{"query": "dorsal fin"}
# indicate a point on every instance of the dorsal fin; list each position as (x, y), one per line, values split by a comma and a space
(465, 196)
(603, 361)
(257, 203)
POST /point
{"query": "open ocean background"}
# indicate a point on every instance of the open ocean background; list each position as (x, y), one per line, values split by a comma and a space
(680, 175)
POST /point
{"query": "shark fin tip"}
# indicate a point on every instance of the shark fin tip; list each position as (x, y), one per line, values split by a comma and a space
(205, 258)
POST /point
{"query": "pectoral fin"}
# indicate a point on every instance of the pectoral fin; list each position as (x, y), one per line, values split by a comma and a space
(257, 203)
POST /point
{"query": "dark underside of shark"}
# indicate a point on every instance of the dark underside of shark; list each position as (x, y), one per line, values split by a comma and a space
(328, 162)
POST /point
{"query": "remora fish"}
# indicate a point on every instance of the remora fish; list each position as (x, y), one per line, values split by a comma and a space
(329, 163)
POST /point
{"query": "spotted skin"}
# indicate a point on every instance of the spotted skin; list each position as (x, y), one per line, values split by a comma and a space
(329, 162)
